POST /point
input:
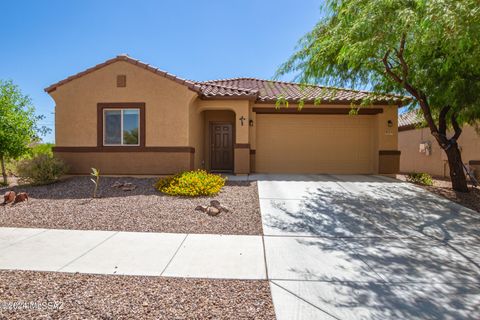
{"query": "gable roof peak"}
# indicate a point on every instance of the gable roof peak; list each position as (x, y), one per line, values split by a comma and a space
(192, 85)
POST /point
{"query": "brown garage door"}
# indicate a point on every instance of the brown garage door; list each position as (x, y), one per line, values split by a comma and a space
(314, 144)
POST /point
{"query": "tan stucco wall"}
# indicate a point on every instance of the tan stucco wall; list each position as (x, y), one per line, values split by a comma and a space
(242, 160)
(387, 136)
(196, 134)
(126, 162)
(166, 105)
(411, 160)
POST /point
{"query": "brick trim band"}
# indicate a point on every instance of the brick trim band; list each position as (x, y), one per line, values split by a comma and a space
(389, 152)
(125, 149)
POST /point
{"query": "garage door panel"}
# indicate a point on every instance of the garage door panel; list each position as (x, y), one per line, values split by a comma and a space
(314, 144)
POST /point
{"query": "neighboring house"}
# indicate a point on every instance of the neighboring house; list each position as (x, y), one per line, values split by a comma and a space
(421, 152)
(127, 117)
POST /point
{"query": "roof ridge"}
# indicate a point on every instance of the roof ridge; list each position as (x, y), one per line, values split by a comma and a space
(227, 87)
(303, 84)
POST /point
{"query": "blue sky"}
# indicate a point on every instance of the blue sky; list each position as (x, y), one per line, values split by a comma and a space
(45, 41)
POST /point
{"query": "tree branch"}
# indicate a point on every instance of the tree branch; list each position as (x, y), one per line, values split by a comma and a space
(401, 58)
(420, 96)
(442, 121)
(456, 127)
(389, 70)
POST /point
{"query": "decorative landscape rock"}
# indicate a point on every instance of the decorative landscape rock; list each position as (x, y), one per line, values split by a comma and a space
(9, 197)
(125, 186)
(201, 208)
(22, 196)
(213, 210)
(128, 186)
(216, 204)
(117, 184)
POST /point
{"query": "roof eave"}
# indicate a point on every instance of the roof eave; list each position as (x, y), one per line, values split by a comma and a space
(326, 101)
(229, 97)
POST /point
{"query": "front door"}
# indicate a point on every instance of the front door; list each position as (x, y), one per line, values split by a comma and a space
(221, 150)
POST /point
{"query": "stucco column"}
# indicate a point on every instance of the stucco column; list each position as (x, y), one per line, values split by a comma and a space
(242, 140)
(387, 141)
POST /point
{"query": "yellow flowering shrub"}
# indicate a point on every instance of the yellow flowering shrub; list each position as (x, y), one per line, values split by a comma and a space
(191, 184)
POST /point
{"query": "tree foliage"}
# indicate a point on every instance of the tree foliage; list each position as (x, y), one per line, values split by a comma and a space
(428, 50)
(18, 123)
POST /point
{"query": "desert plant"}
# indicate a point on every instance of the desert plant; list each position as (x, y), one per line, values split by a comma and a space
(420, 178)
(40, 148)
(19, 124)
(95, 174)
(191, 184)
(41, 169)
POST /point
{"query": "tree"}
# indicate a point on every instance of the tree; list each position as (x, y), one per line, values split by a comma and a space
(18, 124)
(429, 50)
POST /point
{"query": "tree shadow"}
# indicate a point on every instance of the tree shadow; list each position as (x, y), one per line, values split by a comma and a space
(368, 300)
(396, 232)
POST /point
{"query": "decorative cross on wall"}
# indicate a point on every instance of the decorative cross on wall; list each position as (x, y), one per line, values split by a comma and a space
(242, 118)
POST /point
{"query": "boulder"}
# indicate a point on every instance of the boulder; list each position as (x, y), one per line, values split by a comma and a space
(117, 184)
(22, 196)
(216, 204)
(9, 197)
(128, 187)
(212, 211)
(201, 208)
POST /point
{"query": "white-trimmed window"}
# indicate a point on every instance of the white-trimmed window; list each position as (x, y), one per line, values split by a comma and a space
(121, 127)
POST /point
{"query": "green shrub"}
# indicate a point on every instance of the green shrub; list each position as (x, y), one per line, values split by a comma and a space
(191, 184)
(34, 150)
(41, 148)
(41, 169)
(420, 178)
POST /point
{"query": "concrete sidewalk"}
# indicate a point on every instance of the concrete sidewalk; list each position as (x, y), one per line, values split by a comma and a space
(133, 253)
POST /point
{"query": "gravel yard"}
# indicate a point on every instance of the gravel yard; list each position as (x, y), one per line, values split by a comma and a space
(69, 205)
(76, 296)
(443, 187)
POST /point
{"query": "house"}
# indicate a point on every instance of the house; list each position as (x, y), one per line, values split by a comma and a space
(126, 117)
(420, 151)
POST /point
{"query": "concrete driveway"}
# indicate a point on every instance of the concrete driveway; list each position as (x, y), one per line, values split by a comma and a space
(367, 247)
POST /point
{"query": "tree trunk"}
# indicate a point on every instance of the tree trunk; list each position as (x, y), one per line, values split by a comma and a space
(4, 172)
(457, 174)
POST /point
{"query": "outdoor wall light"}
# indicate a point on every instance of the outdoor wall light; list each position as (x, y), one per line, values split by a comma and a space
(390, 123)
(250, 123)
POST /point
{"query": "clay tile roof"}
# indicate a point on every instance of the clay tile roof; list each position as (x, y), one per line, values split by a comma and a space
(251, 88)
(409, 119)
(213, 90)
(270, 91)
